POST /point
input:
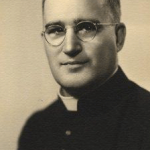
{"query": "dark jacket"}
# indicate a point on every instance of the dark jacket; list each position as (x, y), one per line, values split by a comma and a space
(116, 116)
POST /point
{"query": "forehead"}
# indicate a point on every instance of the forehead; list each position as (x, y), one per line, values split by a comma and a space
(70, 10)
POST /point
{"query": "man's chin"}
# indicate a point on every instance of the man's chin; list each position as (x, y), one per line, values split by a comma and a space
(77, 89)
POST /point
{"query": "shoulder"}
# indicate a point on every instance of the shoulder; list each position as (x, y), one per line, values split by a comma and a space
(143, 98)
(137, 118)
(37, 126)
(139, 107)
(46, 113)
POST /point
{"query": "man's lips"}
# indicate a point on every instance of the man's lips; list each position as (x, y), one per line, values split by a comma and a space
(74, 63)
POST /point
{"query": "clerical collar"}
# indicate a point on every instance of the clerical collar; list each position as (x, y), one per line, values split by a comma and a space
(69, 102)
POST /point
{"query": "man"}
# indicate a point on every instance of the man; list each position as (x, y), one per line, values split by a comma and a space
(98, 107)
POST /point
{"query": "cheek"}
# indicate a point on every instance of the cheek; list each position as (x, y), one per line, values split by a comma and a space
(51, 56)
(48, 50)
(102, 50)
(51, 53)
(102, 53)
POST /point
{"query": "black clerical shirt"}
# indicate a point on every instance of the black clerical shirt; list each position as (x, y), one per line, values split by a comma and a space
(115, 116)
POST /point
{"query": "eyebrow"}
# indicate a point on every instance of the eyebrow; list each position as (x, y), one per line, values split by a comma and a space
(54, 23)
(75, 21)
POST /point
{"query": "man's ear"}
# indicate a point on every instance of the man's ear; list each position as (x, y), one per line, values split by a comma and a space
(120, 35)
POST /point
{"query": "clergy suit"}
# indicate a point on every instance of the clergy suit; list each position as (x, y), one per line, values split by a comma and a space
(115, 116)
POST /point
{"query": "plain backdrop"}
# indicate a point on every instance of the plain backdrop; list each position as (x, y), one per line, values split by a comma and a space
(26, 84)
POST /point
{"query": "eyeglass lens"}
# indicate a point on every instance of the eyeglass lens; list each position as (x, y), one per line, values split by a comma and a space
(85, 31)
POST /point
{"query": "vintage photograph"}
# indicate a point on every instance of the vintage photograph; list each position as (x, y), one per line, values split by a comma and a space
(74, 75)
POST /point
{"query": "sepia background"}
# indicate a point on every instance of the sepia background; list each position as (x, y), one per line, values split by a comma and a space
(26, 84)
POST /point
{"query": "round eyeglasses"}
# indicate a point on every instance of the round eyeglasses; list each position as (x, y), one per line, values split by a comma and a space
(85, 31)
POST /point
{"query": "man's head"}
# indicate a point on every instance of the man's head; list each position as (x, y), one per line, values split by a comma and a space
(76, 64)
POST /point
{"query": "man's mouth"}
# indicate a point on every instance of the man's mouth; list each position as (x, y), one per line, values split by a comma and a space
(74, 66)
(74, 63)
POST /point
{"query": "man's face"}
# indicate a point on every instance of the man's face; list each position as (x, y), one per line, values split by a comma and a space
(74, 63)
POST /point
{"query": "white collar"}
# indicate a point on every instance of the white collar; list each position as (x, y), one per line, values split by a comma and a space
(69, 102)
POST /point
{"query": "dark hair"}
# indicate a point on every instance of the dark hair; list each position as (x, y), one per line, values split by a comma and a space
(115, 9)
(113, 5)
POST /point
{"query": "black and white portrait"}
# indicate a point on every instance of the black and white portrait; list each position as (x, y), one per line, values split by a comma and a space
(74, 75)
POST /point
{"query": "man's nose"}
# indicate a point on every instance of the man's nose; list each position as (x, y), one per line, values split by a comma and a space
(72, 45)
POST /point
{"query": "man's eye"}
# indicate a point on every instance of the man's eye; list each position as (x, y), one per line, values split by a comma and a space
(86, 27)
(54, 30)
